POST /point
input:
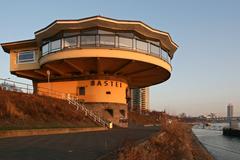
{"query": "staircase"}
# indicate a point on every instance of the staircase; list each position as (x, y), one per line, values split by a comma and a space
(74, 101)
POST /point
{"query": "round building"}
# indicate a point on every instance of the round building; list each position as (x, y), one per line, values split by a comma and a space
(97, 59)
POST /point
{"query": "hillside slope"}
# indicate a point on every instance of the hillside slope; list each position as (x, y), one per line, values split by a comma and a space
(175, 141)
(24, 111)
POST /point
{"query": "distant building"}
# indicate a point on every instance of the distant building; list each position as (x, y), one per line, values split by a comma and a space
(140, 99)
(229, 111)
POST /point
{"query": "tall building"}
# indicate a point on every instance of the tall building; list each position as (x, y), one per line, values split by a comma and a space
(96, 59)
(229, 112)
(140, 99)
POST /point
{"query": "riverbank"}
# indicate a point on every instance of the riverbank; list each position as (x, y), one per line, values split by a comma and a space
(175, 141)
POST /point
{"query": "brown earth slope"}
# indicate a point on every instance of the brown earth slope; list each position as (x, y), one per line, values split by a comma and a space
(175, 141)
(25, 111)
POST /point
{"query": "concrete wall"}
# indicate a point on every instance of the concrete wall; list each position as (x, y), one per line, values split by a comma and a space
(119, 112)
(96, 92)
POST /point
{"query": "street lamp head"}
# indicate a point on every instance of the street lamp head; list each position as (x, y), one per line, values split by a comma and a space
(48, 72)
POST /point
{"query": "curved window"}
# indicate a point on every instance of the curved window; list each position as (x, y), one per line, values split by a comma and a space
(105, 40)
(55, 45)
(45, 49)
(125, 42)
(70, 42)
(88, 41)
(141, 46)
(165, 55)
(154, 49)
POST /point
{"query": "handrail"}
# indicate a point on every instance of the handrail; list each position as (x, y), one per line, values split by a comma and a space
(88, 113)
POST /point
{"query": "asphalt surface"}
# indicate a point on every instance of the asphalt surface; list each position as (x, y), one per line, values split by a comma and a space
(77, 146)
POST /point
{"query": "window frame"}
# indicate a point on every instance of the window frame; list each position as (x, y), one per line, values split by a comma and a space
(48, 47)
(33, 60)
(55, 49)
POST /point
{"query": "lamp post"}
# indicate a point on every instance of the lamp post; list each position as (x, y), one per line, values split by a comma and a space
(48, 74)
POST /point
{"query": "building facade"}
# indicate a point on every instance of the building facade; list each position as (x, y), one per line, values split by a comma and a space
(97, 59)
(140, 100)
(229, 112)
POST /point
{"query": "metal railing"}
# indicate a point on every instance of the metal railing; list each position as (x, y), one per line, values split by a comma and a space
(105, 41)
(88, 113)
(9, 85)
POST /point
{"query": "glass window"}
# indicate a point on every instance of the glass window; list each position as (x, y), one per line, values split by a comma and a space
(27, 56)
(107, 40)
(165, 55)
(81, 90)
(125, 42)
(70, 42)
(88, 40)
(45, 49)
(154, 49)
(141, 46)
(55, 45)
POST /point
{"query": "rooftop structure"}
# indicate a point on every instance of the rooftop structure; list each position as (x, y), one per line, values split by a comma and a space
(97, 59)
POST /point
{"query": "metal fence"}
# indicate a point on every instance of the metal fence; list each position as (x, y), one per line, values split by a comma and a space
(10, 85)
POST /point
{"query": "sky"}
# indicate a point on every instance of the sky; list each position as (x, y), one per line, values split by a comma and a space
(205, 76)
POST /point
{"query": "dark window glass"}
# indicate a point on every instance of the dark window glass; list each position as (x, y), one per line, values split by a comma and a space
(81, 90)
(27, 56)
(45, 49)
(141, 45)
(88, 40)
(125, 42)
(55, 45)
(154, 49)
(108, 92)
(70, 42)
(107, 40)
(165, 56)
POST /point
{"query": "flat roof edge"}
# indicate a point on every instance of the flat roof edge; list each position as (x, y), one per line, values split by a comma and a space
(8, 45)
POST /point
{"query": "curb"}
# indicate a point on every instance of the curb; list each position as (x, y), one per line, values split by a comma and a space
(36, 132)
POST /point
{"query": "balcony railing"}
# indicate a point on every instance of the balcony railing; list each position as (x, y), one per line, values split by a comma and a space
(104, 41)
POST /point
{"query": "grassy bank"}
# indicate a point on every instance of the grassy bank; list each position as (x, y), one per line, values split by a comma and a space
(26, 111)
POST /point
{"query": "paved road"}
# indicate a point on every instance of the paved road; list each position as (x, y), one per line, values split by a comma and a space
(79, 146)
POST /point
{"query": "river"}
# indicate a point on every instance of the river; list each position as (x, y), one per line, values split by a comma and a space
(221, 147)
